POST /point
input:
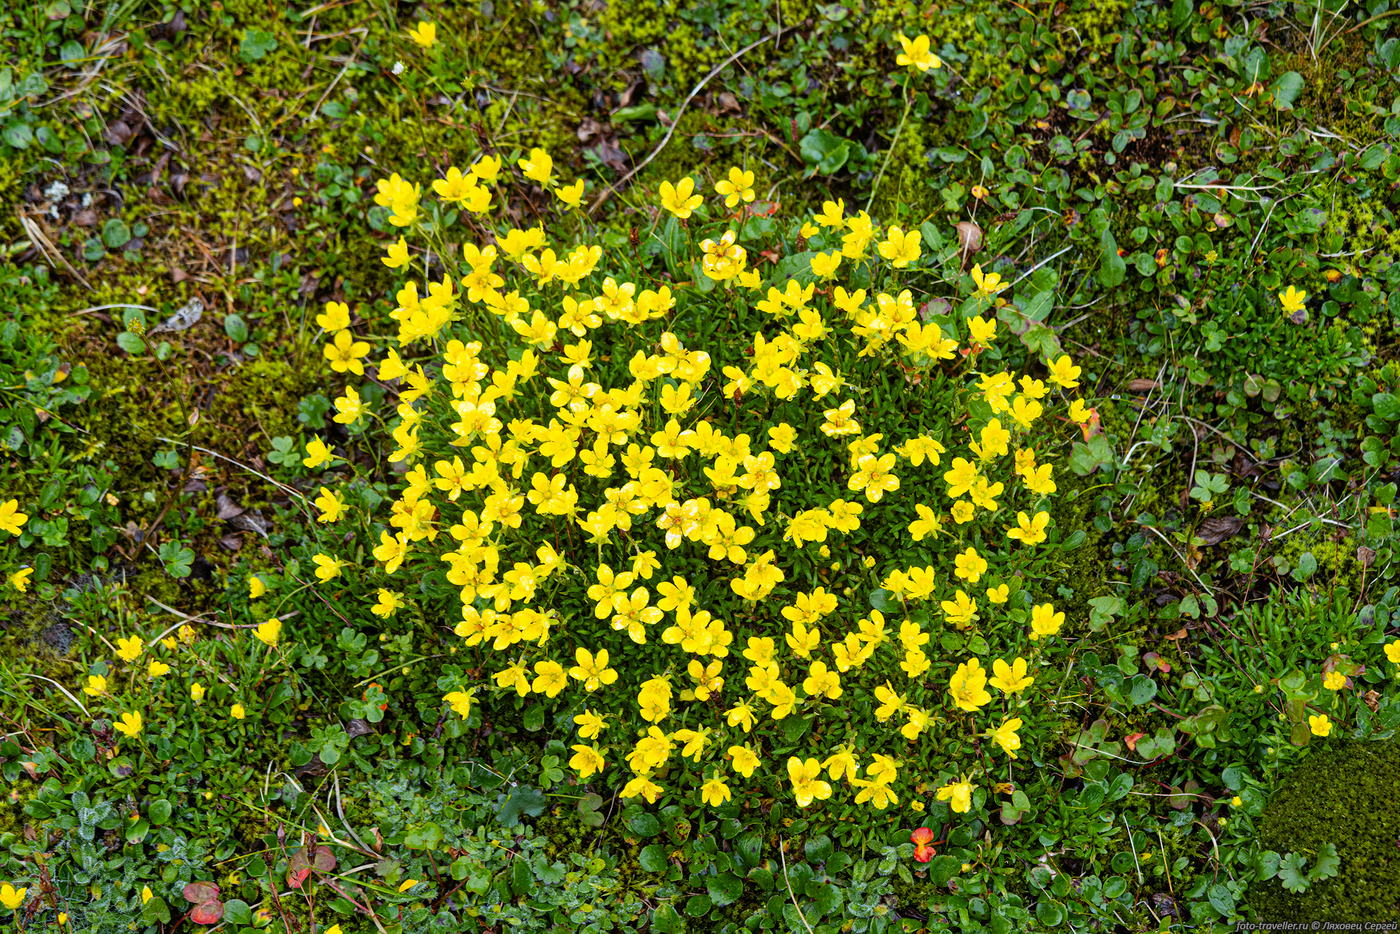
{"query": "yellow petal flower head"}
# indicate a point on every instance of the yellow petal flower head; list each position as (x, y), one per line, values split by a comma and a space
(129, 648)
(11, 519)
(714, 792)
(1392, 652)
(1292, 300)
(19, 580)
(335, 318)
(96, 686)
(269, 631)
(968, 688)
(12, 897)
(129, 724)
(958, 794)
(1012, 678)
(1045, 621)
(424, 34)
(807, 785)
(237, 712)
(538, 166)
(1320, 725)
(916, 54)
(737, 187)
(680, 199)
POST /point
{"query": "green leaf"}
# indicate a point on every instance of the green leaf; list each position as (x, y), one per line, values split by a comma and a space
(665, 920)
(724, 889)
(159, 812)
(644, 825)
(1328, 863)
(1292, 872)
(653, 858)
(115, 233)
(256, 44)
(825, 151)
(1221, 900)
(1286, 89)
(1141, 690)
(697, 906)
(1386, 405)
(1112, 269)
(522, 800)
(236, 328)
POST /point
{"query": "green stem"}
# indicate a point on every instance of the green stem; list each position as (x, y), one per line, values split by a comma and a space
(894, 143)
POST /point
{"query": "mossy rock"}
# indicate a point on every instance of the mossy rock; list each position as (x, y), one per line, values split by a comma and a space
(1344, 794)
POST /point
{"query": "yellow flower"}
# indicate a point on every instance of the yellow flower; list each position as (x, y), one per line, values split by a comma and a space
(988, 284)
(256, 587)
(129, 648)
(916, 54)
(196, 691)
(744, 760)
(331, 505)
(680, 199)
(344, 353)
(1012, 678)
(737, 187)
(1005, 736)
(982, 330)
(590, 724)
(317, 453)
(96, 686)
(335, 318)
(999, 594)
(968, 686)
(807, 785)
(146, 894)
(11, 519)
(237, 712)
(424, 34)
(1030, 531)
(460, 702)
(396, 255)
(154, 669)
(1292, 300)
(586, 761)
(327, 568)
(20, 579)
(388, 603)
(714, 792)
(824, 265)
(1045, 621)
(538, 166)
(1320, 724)
(407, 884)
(1392, 652)
(12, 897)
(269, 631)
(1064, 373)
(571, 194)
(1334, 680)
(899, 247)
(958, 795)
(129, 724)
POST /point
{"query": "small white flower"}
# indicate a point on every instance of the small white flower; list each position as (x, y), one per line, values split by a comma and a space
(398, 68)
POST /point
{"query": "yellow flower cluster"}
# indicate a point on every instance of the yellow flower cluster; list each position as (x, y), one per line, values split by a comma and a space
(660, 503)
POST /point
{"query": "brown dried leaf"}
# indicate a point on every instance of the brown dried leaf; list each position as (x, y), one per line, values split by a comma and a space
(969, 240)
(1216, 529)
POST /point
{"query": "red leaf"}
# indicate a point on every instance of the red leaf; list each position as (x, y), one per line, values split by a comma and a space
(323, 859)
(211, 912)
(197, 892)
(295, 877)
(1132, 738)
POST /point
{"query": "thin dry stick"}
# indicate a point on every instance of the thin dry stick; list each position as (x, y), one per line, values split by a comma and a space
(782, 849)
(30, 674)
(676, 120)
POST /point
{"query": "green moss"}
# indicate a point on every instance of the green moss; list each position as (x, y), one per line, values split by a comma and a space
(1344, 794)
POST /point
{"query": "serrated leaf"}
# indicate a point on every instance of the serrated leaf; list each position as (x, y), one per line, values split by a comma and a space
(1292, 872)
(1328, 863)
